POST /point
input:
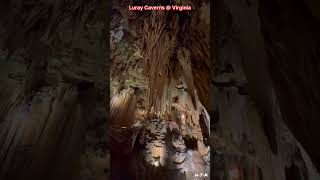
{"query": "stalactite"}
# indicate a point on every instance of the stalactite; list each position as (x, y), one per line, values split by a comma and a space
(164, 47)
(122, 114)
(160, 32)
(122, 109)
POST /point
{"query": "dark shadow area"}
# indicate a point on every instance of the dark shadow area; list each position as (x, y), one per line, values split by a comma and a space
(54, 88)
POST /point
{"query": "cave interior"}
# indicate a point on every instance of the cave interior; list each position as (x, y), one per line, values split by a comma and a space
(90, 90)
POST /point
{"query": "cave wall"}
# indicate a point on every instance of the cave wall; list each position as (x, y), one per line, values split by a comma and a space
(280, 44)
(291, 34)
(251, 131)
(53, 86)
(53, 52)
